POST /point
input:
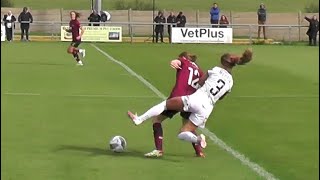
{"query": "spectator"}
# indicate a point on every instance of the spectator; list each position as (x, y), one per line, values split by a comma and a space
(94, 18)
(313, 30)
(181, 20)
(214, 15)
(159, 27)
(25, 18)
(224, 21)
(262, 17)
(9, 20)
(171, 19)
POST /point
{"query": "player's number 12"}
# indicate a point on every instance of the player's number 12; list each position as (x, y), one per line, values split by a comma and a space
(193, 82)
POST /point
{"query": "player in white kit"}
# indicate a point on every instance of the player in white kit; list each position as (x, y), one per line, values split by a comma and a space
(215, 84)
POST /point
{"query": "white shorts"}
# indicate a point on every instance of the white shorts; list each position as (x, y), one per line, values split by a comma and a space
(200, 107)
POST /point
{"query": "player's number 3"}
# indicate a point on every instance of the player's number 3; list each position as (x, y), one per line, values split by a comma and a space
(193, 82)
(215, 91)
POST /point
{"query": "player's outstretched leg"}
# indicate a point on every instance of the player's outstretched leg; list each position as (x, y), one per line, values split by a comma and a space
(171, 104)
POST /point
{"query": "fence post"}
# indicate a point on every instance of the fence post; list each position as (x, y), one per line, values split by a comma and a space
(289, 34)
(197, 17)
(129, 20)
(299, 23)
(52, 29)
(61, 12)
(231, 17)
(250, 33)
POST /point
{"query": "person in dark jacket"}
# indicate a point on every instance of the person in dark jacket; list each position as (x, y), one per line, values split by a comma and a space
(9, 20)
(94, 19)
(171, 19)
(181, 20)
(313, 30)
(262, 18)
(25, 18)
(159, 27)
(214, 15)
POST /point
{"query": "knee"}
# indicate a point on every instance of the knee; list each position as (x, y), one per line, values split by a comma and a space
(159, 119)
(180, 135)
(70, 50)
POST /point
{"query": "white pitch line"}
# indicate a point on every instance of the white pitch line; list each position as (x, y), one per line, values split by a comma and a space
(22, 94)
(111, 96)
(253, 166)
(279, 96)
(80, 95)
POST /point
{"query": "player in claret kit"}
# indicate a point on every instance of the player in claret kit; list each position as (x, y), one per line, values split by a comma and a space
(74, 28)
(187, 77)
(215, 84)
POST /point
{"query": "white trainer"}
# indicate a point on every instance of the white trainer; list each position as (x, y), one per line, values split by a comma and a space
(203, 142)
(79, 63)
(154, 153)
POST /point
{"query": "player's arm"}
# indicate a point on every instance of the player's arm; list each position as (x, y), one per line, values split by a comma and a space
(81, 32)
(68, 29)
(175, 64)
(203, 78)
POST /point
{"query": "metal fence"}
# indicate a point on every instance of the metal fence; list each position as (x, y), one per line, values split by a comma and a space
(133, 30)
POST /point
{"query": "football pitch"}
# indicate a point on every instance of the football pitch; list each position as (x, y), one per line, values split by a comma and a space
(57, 118)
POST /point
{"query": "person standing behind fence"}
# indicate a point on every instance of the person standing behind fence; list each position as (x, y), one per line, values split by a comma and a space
(9, 20)
(25, 18)
(159, 27)
(223, 21)
(214, 15)
(181, 20)
(172, 20)
(313, 30)
(262, 18)
(94, 18)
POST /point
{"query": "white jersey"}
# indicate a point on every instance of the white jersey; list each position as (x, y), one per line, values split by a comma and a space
(218, 83)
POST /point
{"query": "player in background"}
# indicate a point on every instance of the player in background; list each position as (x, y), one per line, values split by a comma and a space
(187, 77)
(74, 28)
(215, 84)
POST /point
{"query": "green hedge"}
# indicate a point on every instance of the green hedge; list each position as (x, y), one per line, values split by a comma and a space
(6, 3)
(134, 5)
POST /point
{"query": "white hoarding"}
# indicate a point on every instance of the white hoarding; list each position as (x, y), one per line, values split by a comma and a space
(201, 35)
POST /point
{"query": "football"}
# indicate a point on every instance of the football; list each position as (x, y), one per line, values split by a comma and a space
(117, 144)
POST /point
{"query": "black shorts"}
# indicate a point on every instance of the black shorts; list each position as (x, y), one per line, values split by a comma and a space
(75, 43)
(170, 114)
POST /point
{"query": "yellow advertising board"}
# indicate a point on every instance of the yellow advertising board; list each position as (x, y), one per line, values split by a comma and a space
(95, 34)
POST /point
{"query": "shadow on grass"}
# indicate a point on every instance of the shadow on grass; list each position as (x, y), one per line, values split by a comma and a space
(93, 151)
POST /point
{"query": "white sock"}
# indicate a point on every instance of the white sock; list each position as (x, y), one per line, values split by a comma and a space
(188, 136)
(154, 111)
(80, 50)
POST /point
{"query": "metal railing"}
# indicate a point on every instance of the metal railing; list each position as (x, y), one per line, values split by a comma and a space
(289, 32)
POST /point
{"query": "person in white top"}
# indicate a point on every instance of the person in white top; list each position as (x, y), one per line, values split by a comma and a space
(215, 84)
(9, 20)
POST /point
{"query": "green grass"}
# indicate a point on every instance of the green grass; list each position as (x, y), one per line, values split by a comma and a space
(56, 135)
(177, 5)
